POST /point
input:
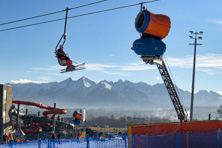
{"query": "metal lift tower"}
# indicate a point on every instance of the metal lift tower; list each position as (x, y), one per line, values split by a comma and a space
(172, 92)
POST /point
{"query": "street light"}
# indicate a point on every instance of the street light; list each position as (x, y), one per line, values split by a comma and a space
(194, 65)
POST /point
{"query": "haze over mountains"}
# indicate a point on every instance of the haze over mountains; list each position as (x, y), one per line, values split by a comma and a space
(84, 93)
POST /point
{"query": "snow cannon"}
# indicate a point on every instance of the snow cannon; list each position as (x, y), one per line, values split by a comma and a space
(157, 25)
(154, 27)
(77, 117)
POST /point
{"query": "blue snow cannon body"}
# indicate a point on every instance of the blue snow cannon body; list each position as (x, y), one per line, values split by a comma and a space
(149, 46)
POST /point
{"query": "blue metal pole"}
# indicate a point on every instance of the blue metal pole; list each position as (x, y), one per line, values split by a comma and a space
(39, 144)
(176, 140)
(218, 138)
(87, 139)
(133, 141)
(49, 144)
(125, 141)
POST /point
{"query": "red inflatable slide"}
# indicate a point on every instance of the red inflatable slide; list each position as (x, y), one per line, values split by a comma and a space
(45, 113)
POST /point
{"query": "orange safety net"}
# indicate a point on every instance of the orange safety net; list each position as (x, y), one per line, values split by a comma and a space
(197, 127)
(170, 128)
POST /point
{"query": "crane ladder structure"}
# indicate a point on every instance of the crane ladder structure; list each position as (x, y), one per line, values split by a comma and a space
(172, 92)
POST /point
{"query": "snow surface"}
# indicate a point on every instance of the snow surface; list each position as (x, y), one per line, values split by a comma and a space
(107, 86)
(219, 92)
(85, 82)
(67, 143)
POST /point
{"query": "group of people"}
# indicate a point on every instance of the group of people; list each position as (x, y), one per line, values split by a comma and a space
(10, 138)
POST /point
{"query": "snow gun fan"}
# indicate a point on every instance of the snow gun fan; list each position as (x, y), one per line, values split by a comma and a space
(154, 28)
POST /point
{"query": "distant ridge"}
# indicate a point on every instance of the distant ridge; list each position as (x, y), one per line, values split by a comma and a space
(123, 94)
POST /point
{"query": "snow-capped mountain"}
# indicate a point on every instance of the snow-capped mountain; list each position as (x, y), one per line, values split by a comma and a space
(123, 94)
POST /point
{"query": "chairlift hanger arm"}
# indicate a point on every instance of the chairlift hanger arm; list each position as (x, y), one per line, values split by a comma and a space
(67, 9)
(141, 6)
(64, 34)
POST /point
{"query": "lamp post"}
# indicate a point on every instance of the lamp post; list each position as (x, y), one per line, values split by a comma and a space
(196, 37)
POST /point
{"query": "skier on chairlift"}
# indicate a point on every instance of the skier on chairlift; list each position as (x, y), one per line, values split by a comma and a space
(63, 56)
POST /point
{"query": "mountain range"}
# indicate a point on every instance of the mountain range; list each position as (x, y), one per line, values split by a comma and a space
(86, 93)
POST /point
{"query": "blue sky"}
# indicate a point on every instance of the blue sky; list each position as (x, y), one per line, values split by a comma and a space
(104, 42)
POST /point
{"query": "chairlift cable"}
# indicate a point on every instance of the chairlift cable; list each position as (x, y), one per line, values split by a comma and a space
(85, 14)
(52, 13)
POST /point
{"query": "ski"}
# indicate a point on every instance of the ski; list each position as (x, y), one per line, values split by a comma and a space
(74, 68)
